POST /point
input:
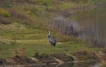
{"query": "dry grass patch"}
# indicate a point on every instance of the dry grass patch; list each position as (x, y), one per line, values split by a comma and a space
(13, 26)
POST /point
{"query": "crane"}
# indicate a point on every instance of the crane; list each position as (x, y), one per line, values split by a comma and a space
(52, 40)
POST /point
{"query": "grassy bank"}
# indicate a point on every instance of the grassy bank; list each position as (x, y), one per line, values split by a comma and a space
(30, 47)
(24, 25)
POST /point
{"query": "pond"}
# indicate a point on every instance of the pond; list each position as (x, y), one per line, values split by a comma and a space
(81, 64)
(92, 23)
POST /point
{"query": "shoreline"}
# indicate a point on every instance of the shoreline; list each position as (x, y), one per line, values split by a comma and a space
(68, 12)
(76, 57)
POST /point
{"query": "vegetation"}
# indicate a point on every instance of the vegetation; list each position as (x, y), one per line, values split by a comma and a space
(4, 13)
(23, 26)
(103, 65)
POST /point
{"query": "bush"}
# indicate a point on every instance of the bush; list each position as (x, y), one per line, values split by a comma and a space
(25, 19)
(42, 2)
(65, 26)
(80, 1)
(4, 13)
(4, 20)
(40, 56)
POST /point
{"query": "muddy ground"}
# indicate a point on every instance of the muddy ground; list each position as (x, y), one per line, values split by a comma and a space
(43, 59)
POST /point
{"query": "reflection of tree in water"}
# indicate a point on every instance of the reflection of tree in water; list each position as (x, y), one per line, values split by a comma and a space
(84, 64)
(92, 24)
(67, 65)
(81, 64)
(52, 65)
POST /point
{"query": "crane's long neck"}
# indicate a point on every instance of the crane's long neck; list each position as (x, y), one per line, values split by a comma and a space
(48, 33)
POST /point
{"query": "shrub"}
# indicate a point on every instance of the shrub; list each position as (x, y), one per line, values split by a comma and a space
(4, 13)
(4, 20)
(80, 1)
(27, 0)
(42, 2)
(40, 56)
(26, 19)
(65, 26)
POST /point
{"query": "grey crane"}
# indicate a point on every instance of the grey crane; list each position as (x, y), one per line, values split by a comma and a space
(52, 40)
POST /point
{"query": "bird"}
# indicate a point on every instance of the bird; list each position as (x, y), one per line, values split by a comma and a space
(52, 40)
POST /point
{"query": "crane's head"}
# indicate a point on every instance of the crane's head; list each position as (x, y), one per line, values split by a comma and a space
(48, 33)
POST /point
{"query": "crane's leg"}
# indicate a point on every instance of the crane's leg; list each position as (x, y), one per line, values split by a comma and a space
(51, 47)
(54, 48)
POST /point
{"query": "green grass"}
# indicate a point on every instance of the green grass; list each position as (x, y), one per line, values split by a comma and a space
(6, 50)
(104, 65)
(42, 47)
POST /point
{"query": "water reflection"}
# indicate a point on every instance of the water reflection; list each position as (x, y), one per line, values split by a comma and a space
(85, 64)
(92, 24)
(82, 64)
(67, 65)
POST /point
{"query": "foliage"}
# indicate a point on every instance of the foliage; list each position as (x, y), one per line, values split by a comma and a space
(42, 2)
(5, 20)
(104, 65)
(4, 13)
(43, 55)
(80, 1)
(26, 20)
(64, 26)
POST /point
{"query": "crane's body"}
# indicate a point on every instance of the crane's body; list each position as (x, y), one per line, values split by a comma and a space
(52, 40)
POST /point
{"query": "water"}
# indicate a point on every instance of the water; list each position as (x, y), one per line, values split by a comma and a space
(92, 24)
(81, 64)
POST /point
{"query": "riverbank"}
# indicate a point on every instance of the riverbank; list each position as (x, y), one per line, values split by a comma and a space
(68, 12)
(55, 59)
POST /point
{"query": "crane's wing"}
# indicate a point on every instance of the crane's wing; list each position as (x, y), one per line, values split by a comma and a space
(52, 40)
